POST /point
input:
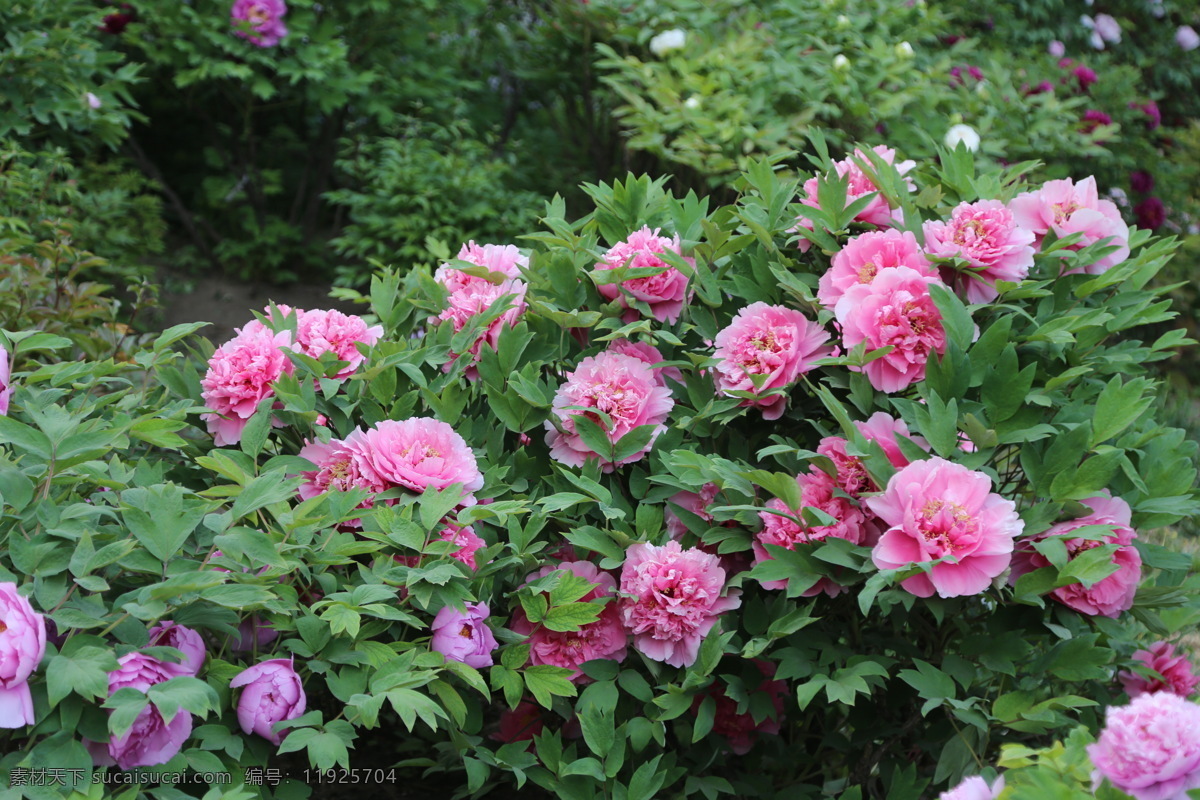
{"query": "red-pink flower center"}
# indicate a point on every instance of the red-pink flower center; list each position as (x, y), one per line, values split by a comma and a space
(465, 632)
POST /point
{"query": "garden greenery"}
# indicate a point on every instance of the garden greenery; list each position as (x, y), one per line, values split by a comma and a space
(832, 491)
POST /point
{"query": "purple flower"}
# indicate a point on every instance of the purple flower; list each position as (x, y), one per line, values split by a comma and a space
(1150, 109)
(5, 381)
(1141, 182)
(1057, 49)
(273, 693)
(22, 645)
(1187, 38)
(151, 739)
(1085, 76)
(265, 18)
(1150, 213)
(185, 640)
(465, 636)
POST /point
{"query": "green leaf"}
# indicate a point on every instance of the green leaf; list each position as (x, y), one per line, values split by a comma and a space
(84, 671)
(545, 681)
(162, 517)
(572, 616)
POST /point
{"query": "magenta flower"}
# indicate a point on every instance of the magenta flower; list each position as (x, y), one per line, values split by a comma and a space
(622, 387)
(865, 256)
(852, 477)
(417, 453)
(1153, 114)
(764, 350)
(1066, 208)
(650, 354)
(265, 18)
(1150, 749)
(895, 309)
(943, 512)
(22, 646)
(676, 600)
(1085, 76)
(475, 298)
(974, 788)
(465, 539)
(271, 693)
(877, 211)
(1150, 213)
(987, 237)
(5, 380)
(1178, 675)
(604, 638)
(1141, 181)
(817, 490)
(664, 292)
(464, 636)
(504, 259)
(240, 375)
(342, 465)
(151, 740)
(185, 640)
(1110, 596)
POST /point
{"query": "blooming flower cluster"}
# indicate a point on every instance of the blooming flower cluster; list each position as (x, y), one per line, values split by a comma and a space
(22, 646)
(877, 212)
(665, 290)
(1150, 749)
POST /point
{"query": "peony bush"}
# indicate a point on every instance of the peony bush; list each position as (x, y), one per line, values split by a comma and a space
(772, 499)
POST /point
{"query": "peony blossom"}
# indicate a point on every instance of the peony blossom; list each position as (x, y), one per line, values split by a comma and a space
(5, 380)
(692, 502)
(943, 512)
(974, 788)
(1066, 207)
(665, 292)
(817, 490)
(897, 310)
(622, 387)
(506, 260)
(965, 135)
(1150, 749)
(740, 729)
(418, 453)
(271, 693)
(519, 724)
(466, 540)
(479, 297)
(239, 377)
(883, 428)
(265, 18)
(877, 212)
(668, 41)
(22, 646)
(319, 332)
(464, 636)
(673, 599)
(342, 465)
(650, 354)
(764, 350)
(1150, 213)
(1110, 596)
(1178, 674)
(865, 256)
(151, 740)
(987, 237)
(1187, 38)
(1057, 49)
(1107, 27)
(185, 640)
(603, 638)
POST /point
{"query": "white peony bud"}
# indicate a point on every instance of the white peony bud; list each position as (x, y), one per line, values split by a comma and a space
(962, 134)
(668, 41)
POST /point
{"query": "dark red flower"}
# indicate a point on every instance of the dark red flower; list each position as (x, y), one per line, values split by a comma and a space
(1150, 213)
(1141, 182)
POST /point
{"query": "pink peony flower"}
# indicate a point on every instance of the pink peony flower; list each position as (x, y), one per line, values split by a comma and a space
(895, 309)
(1110, 596)
(5, 381)
(817, 490)
(650, 354)
(185, 640)
(690, 501)
(624, 388)
(740, 729)
(1066, 208)
(865, 256)
(604, 638)
(676, 600)
(1150, 749)
(151, 740)
(765, 349)
(417, 453)
(504, 259)
(464, 636)
(271, 693)
(254, 634)
(22, 646)
(466, 540)
(332, 331)
(943, 512)
(240, 375)
(476, 298)
(1178, 674)
(342, 465)
(265, 18)
(987, 237)
(885, 429)
(974, 788)
(877, 211)
(665, 292)
(1057, 49)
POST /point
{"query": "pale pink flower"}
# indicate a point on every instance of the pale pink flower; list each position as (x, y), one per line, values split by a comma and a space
(943, 512)
(265, 18)
(1150, 749)
(240, 376)
(604, 638)
(689, 501)
(865, 256)
(672, 600)
(817, 490)
(665, 292)
(1178, 674)
(475, 298)
(418, 453)
(987, 237)
(1187, 38)
(650, 354)
(974, 788)
(877, 211)
(1066, 207)
(332, 331)
(1110, 596)
(895, 309)
(22, 647)
(623, 387)
(504, 259)
(764, 350)
(5, 380)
